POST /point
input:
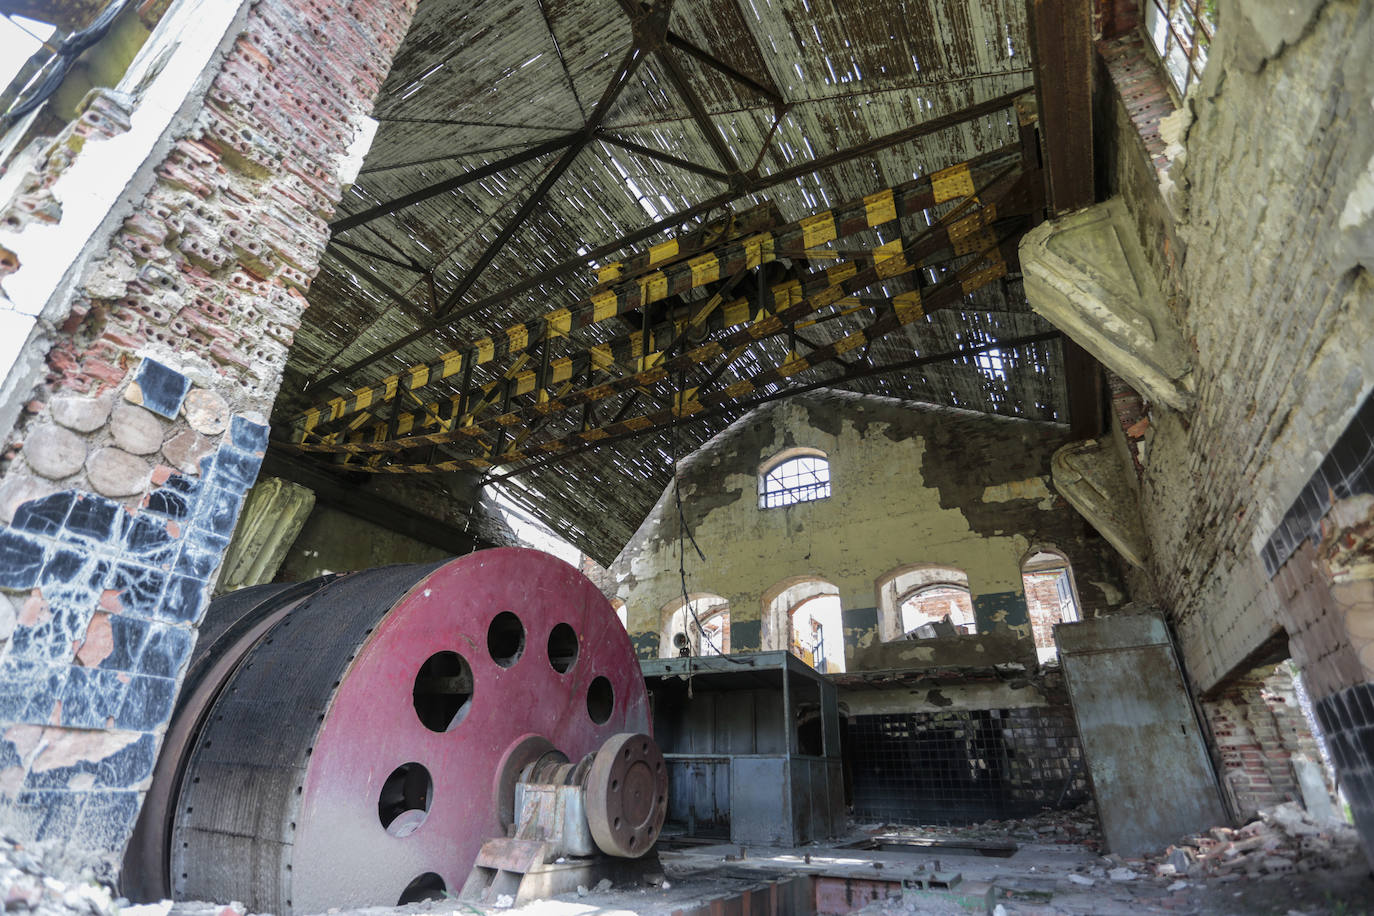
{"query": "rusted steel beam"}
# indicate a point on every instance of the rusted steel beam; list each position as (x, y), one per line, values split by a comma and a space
(868, 148)
(679, 43)
(684, 89)
(991, 178)
(991, 262)
(400, 298)
(452, 184)
(653, 23)
(1083, 382)
(394, 262)
(660, 156)
(430, 160)
(513, 225)
(1061, 38)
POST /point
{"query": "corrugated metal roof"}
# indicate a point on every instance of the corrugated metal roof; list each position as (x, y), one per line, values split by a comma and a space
(476, 82)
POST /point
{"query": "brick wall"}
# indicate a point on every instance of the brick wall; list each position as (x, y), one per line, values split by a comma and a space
(1042, 603)
(1258, 727)
(1265, 279)
(1263, 252)
(123, 480)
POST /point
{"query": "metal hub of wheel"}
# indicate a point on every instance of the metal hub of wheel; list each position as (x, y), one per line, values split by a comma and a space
(627, 795)
(358, 754)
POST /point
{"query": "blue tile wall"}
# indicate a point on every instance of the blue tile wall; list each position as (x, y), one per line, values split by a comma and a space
(163, 388)
(148, 569)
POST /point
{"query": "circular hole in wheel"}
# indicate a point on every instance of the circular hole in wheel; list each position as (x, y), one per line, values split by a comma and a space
(428, 886)
(506, 639)
(562, 647)
(600, 700)
(403, 803)
(443, 691)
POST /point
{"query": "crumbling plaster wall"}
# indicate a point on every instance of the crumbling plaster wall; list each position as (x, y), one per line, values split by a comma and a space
(1264, 250)
(909, 485)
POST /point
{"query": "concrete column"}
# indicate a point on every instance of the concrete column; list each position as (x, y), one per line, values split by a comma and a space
(156, 257)
(273, 515)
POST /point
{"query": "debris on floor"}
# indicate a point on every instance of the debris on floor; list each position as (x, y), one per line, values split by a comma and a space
(1076, 826)
(27, 884)
(1282, 840)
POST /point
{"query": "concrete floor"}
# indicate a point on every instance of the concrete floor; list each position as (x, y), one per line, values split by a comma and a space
(1034, 880)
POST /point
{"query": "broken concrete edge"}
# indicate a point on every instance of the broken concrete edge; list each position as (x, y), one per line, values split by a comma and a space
(1087, 275)
(1090, 477)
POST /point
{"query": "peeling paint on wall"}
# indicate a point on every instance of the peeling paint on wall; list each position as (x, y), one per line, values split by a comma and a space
(860, 628)
(909, 485)
(645, 643)
(1002, 611)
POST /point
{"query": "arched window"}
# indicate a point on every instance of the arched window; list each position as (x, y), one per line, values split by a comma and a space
(1050, 597)
(798, 475)
(920, 593)
(701, 625)
(818, 633)
(933, 603)
(802, 615)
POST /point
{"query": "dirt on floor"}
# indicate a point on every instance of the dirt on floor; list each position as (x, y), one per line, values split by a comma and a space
(1284, 863)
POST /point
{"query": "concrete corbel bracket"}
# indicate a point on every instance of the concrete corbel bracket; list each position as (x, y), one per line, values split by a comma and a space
(1088, 275)
(1092, 477)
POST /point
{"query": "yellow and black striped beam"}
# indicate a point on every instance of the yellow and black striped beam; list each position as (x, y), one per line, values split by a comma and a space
(984, 268)
(793, 300)
(876, 210)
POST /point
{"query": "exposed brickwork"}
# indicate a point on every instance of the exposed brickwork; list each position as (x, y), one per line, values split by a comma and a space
(110, 553)
(1134, 70)
(1129, 410)
(1271, 294)
(1258, 727)
(1113, 18)
(1042, 603)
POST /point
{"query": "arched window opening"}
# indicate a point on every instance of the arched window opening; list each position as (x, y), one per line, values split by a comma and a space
(935, 605)
(1050, 598)
(917, 594)
(818, 633)
(802, 616)
(701, 626)
(798, 475)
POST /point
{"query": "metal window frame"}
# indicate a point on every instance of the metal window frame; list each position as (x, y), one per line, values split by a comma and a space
(776, 491)
(1195, 23)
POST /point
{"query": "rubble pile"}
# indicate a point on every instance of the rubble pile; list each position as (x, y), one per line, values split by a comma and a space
(27, 884)
(1077, 826)
(1282, 840)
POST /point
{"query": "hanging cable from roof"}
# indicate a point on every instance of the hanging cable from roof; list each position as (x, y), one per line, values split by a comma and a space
(44, 83)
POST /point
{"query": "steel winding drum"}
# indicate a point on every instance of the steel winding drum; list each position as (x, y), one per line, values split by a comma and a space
(341, 743)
